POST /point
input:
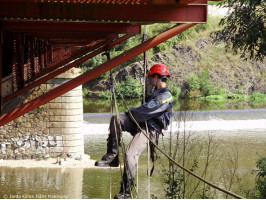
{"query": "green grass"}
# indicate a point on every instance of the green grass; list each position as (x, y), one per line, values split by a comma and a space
(213, 2)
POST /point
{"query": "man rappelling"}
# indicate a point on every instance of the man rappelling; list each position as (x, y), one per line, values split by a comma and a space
(156, 113)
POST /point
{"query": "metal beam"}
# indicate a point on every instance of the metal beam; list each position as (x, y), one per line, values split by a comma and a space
(192, 2)
(74, 36)
(141, 2)
(66, 58)
(71, 27)
(96, 12)
(91, 74)
(48, 76)
(67, 67)
(1, 63)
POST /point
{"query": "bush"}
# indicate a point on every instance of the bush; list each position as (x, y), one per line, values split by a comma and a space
(85, 92)
(200, 83)
(174, 90)
(221, 91)
(131, 88)
(193, 82)
(206, 85)
(258, 99)
(105, 94)
(261, 177)
(259, 192)
(257, 96)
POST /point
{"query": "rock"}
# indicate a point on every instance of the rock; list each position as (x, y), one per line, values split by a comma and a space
(18, 157)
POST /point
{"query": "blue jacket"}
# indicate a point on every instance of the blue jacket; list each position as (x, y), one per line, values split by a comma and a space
(157, 111)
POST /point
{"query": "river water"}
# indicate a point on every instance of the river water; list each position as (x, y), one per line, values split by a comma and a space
(237, 137)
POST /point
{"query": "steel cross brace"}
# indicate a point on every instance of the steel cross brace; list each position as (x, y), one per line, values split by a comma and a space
(91, 74)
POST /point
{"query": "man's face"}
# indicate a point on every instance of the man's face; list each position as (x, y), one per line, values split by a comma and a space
(153, 80)
(149, 85)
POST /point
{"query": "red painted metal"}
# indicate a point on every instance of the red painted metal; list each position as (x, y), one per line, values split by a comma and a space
(70, 27)
(18, 66)
(49, 76)
(52, 94)
(39, 45)
(138, 2)
(50, 37)
(31, 53)
(66, 58)
(97, 12)
(67, 67)
(192, 2)
(14, 67)
(1, 45)
(75, 54)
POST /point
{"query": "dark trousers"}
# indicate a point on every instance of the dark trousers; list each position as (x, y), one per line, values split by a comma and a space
(136, 145)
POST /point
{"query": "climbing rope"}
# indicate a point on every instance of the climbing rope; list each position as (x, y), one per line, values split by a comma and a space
(111, 90)
(118, 141)
(172, 160)
(143, 101)
(112, 93)
(110, 182)
(123, 151)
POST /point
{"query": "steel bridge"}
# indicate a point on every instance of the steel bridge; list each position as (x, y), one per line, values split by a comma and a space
(40, 39)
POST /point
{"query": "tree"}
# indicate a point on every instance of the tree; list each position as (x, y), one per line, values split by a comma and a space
(261, 177)
(244, 28)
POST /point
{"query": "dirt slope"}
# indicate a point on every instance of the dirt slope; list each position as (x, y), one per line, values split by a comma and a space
(226, 69)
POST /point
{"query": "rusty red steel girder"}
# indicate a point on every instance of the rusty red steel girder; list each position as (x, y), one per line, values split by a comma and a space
(69, 66)
(66, 58)
(28, 60)
(105, 12)
(69, 27)
(91, 74)
(1, 46)
(141, 2)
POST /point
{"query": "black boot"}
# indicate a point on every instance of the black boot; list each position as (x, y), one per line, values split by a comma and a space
(125, 191)
(111, 157)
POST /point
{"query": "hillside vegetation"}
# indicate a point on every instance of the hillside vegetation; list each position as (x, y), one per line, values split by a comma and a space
(198, 67)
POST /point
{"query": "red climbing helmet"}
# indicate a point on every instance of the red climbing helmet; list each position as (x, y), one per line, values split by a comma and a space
(160, 69)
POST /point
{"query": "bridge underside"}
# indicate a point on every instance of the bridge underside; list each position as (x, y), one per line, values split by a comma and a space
(41, 39)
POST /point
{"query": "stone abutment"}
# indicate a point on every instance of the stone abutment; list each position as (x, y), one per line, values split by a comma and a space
(54, 129)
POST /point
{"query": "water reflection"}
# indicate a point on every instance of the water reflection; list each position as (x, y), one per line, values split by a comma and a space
(94, 105)
(102, 183)
(40, 183)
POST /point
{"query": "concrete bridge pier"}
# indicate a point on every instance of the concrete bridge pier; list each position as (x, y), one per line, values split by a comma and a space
(54, 129)
(66, 115)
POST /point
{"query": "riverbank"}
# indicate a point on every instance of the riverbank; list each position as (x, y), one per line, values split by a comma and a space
(83, 162)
